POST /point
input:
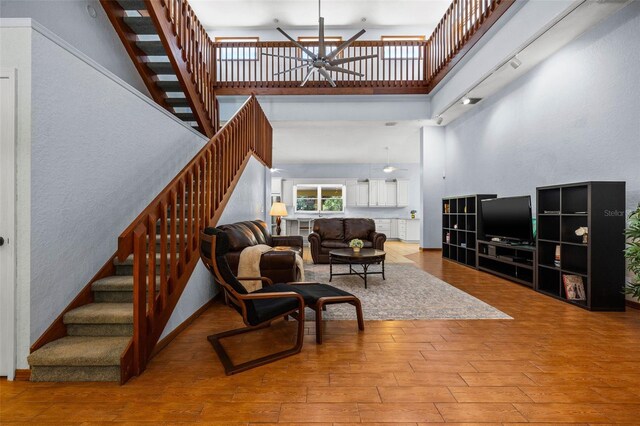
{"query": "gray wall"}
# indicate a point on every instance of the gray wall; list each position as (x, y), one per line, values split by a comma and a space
(361, 171)
(95, 37)
(100, 152)
(572, 118)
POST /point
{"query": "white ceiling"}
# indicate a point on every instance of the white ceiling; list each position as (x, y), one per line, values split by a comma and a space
(345, 142)
(215, 14)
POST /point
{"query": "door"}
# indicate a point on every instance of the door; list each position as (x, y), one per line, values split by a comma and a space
(7, 222)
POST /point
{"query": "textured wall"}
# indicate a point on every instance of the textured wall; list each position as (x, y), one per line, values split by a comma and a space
(572, 118)
(69, 19)
(100, 152)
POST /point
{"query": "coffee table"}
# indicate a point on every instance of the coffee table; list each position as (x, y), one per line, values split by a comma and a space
(365, 258)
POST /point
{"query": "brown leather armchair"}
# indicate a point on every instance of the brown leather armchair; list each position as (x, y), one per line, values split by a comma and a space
(278, 265)
(335, 233)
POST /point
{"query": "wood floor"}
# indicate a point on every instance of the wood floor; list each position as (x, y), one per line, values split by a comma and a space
(553, 363)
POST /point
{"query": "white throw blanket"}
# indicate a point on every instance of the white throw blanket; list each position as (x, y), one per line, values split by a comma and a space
(249, 266)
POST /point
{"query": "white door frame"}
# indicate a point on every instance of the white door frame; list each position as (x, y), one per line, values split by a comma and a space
(8, 222)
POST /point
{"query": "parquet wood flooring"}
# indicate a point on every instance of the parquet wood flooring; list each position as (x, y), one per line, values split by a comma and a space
(552, 364)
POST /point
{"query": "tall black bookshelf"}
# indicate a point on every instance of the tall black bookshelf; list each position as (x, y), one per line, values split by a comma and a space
(461, 227)
(597, 260)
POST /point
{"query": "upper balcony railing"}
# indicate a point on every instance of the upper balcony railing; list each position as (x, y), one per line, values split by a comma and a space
(400, 66)
(250, 67)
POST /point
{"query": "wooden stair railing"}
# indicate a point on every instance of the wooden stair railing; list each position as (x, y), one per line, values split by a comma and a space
(193, 200)
(157, 28)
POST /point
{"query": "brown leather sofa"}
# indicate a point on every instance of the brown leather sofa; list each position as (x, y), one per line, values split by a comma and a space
(331, 234)
(279, 265)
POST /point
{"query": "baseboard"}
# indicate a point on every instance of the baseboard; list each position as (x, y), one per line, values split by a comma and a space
(23, 375)
(429, 249)
(179, 329)
(632, 304)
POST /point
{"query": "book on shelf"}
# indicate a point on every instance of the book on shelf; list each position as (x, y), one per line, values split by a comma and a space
(574, 287)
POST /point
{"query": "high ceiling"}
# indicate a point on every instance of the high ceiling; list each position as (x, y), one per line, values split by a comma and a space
(216, 14)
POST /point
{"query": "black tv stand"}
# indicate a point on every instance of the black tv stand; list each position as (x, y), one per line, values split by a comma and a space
(508, 260)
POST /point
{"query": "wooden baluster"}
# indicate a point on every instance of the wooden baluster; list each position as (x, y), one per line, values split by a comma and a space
(196, 207)
(181, 218)
(173, 248)
(151, 267)
(139, 296)
(164, 230)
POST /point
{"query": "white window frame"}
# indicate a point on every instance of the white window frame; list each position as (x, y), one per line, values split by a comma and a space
(319, 188)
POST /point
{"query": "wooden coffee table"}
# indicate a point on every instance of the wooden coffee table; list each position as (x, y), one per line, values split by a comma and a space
(365, 258)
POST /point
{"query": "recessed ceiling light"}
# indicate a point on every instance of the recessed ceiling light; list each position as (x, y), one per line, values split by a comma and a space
(470, 101)
(92, 11)
(363, 19)
(390, 123)
(515, 62)
(276, 20)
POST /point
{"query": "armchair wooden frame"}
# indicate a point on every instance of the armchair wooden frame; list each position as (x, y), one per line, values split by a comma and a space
(239, 300)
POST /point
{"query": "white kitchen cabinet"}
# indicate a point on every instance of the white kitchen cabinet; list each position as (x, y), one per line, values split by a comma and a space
(391, 198)
(409, 230)
(287, 192)
(352, 192)
(374, 184)
(362, 194)
(393, 232)
(383, 226)
(276, 185)
(402, 193)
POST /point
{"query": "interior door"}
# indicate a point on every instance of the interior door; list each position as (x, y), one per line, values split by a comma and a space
(7, 222)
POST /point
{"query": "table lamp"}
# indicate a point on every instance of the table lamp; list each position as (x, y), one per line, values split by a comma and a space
(278, 210)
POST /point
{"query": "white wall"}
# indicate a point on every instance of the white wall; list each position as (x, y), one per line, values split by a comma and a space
(69, 19)
(572, 118)
(339, 172)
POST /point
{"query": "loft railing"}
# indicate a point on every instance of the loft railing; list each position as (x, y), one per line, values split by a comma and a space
(195, 48)
(462, 25)
(248, 67)
(168, 228)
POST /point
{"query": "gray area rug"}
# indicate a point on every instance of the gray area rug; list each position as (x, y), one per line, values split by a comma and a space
(407, 293)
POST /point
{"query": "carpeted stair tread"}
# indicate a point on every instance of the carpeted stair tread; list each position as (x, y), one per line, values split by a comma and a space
(116, 283)
(129, 260)
(101, 313)
(81, 351)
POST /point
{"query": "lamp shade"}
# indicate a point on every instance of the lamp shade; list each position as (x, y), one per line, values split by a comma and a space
(278, 209)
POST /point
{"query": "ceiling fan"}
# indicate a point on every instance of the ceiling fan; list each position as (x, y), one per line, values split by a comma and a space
(322, 62)
(389, 168)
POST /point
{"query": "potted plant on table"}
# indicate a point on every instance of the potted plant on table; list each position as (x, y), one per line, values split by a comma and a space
(356, 245)
(632, 253)
(413, 214)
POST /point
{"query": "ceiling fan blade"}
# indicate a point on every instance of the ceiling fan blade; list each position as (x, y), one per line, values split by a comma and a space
(326, 75)
(352, 59)
(291, 69)
(287, 57)
(312, 71)
(342, 70)
(321, 46)
(344, 45)
(298, 45)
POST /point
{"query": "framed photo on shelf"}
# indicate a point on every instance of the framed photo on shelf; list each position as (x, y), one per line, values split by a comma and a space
(574, 287)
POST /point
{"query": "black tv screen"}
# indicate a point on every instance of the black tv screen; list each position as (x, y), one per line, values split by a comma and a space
(508, 218)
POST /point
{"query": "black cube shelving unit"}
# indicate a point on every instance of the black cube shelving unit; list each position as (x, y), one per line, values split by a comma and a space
(461, 221)
(561, 209)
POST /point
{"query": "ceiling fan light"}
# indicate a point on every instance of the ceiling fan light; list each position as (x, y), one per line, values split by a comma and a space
(466, 100)
(388, 169)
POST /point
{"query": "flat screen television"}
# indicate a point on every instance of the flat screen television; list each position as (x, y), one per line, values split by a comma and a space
(508, 218)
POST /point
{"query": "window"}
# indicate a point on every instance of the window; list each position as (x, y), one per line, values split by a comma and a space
(319, 198)
(238, 53)
(402, 52)
(330, 42)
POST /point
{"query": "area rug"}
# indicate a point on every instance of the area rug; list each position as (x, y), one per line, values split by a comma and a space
(407, 293)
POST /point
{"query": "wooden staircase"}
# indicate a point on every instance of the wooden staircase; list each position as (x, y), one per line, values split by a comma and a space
(173, 54)
(108, 332)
